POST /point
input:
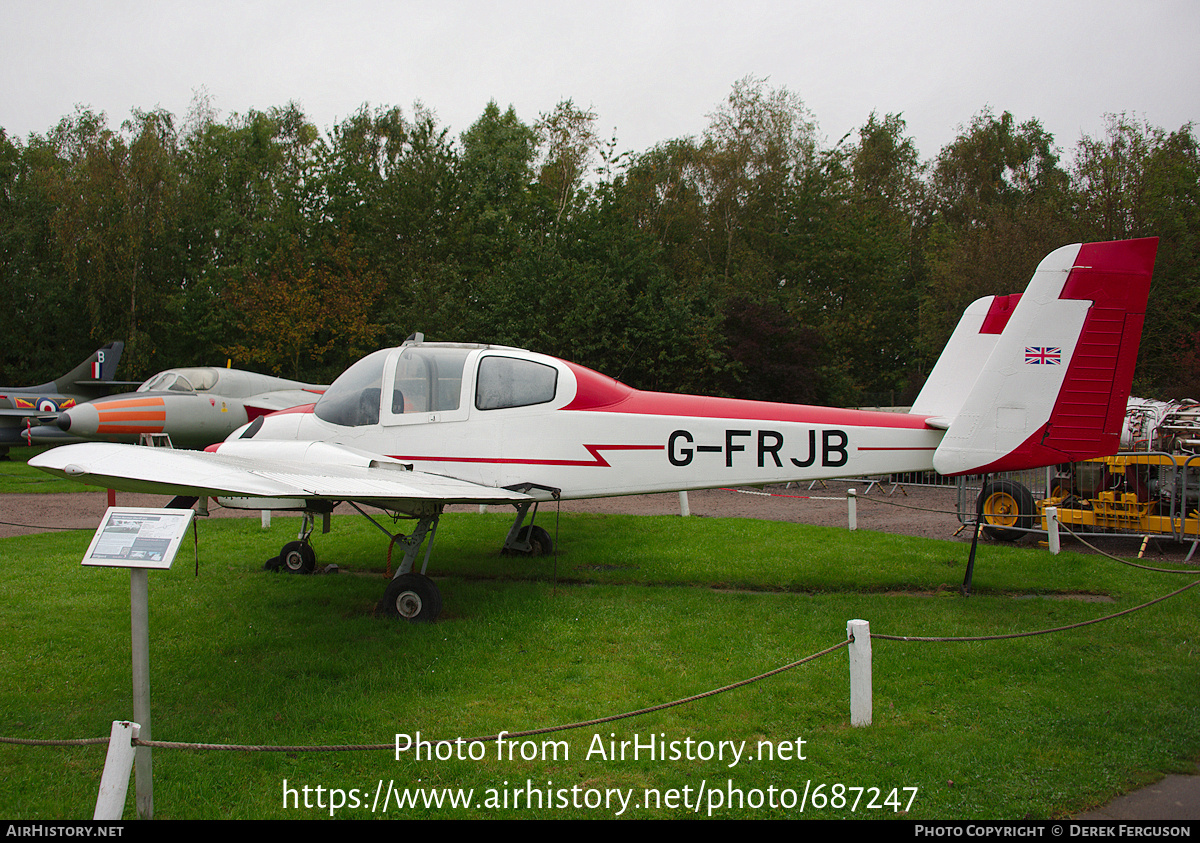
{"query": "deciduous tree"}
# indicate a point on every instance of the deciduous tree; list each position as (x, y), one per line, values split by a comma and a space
(306, 315)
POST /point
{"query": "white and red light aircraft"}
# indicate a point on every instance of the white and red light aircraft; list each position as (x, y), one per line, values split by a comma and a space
(1026, 380)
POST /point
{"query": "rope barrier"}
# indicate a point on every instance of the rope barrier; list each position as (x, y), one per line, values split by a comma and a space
(662, 706)
(1039, 631)
(39, 527)
(1086, 543)
(68, 742)
(486, 738)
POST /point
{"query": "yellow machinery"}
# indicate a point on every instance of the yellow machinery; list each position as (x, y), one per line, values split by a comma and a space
(1150, 492)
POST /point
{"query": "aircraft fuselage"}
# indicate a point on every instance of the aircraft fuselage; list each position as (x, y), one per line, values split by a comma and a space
(592, 436)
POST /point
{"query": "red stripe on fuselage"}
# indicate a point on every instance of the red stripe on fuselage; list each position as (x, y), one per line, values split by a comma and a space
(597, 461)
(594, 450)
(599, 393)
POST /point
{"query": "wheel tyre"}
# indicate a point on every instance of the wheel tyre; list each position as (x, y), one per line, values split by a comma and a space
(540, 543)
(1006, 509)
(297, 558)
(413, 597)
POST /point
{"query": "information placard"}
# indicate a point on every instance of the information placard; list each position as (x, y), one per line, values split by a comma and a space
(137, 537)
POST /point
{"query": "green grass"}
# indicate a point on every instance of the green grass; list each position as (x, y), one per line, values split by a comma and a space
(639, 611)
(17, 477)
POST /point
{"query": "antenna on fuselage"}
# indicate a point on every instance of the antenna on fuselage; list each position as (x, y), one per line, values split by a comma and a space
(416, 337)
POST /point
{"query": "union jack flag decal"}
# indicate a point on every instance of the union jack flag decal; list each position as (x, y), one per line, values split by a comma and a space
(1043, 355)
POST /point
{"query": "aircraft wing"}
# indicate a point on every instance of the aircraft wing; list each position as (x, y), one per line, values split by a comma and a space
(43, 416)
(288, 470)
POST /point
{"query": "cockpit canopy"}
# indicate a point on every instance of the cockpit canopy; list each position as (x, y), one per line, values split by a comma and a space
(181, 380)
(428, 379)
(425, 380)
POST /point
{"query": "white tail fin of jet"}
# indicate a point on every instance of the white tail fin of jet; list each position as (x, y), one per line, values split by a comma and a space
(1043, 377)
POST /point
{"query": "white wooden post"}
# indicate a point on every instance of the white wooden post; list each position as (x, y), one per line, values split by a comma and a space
(852, 507)
(1052, 529)
(684, 509)
(860, 672)
(114, 781)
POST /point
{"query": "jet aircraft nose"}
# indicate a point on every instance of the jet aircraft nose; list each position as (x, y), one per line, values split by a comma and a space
(82, 420)
(119, 415)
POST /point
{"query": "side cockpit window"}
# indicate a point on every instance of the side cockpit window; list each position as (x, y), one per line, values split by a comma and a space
(505, 382)
(200, 380)
(428, 380)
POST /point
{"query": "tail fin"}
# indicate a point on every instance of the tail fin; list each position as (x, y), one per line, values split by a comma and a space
(1059, 364)
(101, 366)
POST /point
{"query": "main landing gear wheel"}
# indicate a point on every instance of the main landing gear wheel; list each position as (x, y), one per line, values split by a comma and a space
(413, 597)
(1006, 509)
(297, 558)
(540, 543)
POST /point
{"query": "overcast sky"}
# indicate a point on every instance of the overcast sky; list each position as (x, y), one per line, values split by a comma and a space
(651, 70)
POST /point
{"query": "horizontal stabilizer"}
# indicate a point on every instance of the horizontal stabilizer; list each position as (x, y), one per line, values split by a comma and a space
(965, 356)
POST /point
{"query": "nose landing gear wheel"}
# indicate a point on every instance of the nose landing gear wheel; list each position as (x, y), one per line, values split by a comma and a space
(540, 543)
(413, 597)
(297, 558)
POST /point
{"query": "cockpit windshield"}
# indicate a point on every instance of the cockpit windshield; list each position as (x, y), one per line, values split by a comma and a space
(353, 399)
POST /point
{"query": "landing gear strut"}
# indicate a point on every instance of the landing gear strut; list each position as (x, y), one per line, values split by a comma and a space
(411, 595)
(527, 540)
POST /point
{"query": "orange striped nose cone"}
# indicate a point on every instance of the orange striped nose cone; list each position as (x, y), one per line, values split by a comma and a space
(131, 415)
(125, 415)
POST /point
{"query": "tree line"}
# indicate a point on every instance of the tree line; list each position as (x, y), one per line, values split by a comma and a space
(751, 261)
